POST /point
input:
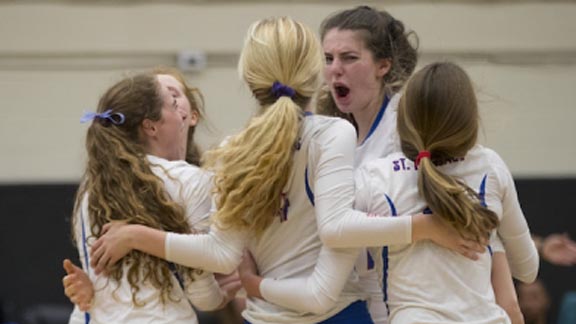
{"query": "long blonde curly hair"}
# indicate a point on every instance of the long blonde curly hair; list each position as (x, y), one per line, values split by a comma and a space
(253, 167)
(439, 113)
(120, 183)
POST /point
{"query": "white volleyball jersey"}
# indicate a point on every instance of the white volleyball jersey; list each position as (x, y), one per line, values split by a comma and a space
(424, 282)
(382, 139)
(190, 187)
(290, 247)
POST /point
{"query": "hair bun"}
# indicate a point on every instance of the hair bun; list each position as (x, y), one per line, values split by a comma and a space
(395, 28)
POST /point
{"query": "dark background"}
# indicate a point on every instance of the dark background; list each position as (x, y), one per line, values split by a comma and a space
(35, 238)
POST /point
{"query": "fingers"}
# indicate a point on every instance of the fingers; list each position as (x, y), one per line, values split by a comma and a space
(84, 306)
(473, 246)
(101, 257)
(231, 285)
(232, 288)
(67, 282)
(105, 228)
(471, 249)
(248, 255)
(468, 253)
(101, 264)
(96, 251)
(81, 303)
(70, 292)
(68, 266)
(225, 279)
(96, 254)
(477, 247)
(76, 295)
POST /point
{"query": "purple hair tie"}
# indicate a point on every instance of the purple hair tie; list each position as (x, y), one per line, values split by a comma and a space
(108, 115)
(280, 90)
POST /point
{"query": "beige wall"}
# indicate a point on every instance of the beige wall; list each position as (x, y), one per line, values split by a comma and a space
(56, 59)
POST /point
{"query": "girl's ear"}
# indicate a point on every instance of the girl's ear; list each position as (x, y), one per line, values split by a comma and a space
(149, 127)
(194, 116)
(383, 67)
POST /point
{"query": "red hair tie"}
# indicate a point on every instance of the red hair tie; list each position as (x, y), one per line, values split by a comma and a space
(420, 156)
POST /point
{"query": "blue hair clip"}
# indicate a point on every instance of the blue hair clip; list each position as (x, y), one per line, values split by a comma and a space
(279, 90)
(108, 115)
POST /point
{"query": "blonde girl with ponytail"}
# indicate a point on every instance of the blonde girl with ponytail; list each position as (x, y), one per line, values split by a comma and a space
(281, 64)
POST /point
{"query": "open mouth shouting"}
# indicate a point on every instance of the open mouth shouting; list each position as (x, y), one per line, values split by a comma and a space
(341, 93)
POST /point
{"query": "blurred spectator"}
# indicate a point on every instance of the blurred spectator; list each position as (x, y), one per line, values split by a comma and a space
(534, 302)
(557, 249)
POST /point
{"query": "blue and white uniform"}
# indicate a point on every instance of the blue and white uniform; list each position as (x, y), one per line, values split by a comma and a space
(190, 187)
(355, 229)
(318, 196)
(382, 140)
(426, 283)
(350, 229)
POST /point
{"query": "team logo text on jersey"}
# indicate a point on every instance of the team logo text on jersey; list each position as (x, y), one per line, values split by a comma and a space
(401, 164)
(404, 164)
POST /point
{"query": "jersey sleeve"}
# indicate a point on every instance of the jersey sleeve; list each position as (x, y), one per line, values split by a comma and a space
(190, 187)
(216, 251)
(341, 228)
(339, 225)
(318, 292)
(513, 229)
(199, 213)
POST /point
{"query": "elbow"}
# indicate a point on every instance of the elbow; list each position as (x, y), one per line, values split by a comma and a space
(320, 306)
(528, 276)
(319, 302)
(526, 271)
(330, 238)
(326, 238)
(532, 276)
(224, 261)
